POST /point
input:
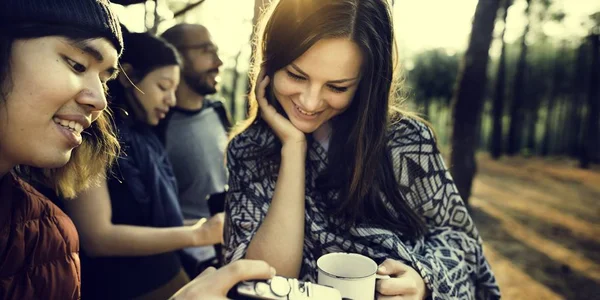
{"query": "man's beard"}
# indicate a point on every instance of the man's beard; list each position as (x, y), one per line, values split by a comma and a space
(198, 82)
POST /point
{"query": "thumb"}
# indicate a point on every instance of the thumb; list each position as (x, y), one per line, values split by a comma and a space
(242, 270)
(392, 267)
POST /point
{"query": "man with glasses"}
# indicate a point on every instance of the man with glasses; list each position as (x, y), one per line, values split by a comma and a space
(195, 131)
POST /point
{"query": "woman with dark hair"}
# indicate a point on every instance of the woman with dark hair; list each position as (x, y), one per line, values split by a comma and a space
(331, 164)
(55, 60)
(131, 224)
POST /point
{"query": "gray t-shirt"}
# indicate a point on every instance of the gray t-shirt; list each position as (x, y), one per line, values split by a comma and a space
(195, 142)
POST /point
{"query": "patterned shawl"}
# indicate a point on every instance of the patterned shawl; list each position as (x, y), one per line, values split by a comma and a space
(449, 257)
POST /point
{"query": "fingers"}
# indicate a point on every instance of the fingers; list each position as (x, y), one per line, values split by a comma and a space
(200, 222)
(242, 270)
(259, 79)
(392, 267)
(206, 272)
(404, 285)
(260, 91)
(269, 113)
(392, 298)
(218, 218)
(380, 297)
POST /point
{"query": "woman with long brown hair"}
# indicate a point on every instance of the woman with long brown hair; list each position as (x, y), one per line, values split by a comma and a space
(327, 162)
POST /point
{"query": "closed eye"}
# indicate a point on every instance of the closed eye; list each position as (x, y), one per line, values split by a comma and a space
(295, 76)
(77, 67)
(162, 88)
(337, 89)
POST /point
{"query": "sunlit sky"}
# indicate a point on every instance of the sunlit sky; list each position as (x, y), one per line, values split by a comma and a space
(419, 24)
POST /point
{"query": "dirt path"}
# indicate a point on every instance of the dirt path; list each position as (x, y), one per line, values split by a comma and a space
(540, 220)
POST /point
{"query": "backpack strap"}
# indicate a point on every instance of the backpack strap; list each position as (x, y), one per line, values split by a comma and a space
(221, 112)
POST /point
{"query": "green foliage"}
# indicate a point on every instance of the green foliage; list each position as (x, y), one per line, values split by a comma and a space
(433, 75)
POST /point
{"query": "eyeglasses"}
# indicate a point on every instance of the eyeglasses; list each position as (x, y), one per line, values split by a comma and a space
(206, 48)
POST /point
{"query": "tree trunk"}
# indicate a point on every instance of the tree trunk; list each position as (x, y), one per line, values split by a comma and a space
(498, 103)
(531, 131)
(467, 102)
(426, 104)
(562, 139)
(533, 112)
(590, 146)
(579, 86)
(550, 112)
(516, 110)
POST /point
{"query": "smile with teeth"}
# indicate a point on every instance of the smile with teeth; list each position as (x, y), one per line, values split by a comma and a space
(71, 125)
(304, 112)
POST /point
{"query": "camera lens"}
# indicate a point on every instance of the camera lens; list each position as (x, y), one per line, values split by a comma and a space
(280, 286)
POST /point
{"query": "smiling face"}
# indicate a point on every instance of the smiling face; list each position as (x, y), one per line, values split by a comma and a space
(320, 84)
(55, 92)
(156, 93)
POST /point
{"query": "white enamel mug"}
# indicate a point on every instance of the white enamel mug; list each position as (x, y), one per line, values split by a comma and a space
(352, 274)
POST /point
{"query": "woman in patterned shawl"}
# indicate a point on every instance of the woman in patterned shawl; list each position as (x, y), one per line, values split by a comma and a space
(330, 164)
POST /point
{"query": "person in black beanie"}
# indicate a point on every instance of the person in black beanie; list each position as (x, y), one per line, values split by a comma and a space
(56, 57)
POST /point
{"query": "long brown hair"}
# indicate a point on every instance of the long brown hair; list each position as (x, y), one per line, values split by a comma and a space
(287, 29)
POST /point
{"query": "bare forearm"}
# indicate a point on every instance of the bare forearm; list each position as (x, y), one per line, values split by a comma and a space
(126, 240)
(280, 238)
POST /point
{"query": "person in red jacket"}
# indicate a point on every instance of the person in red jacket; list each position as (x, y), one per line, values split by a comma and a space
(55, 58)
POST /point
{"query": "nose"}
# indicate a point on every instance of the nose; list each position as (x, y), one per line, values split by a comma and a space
(171, 99)
(93, 97)
(218, 61)
(310, 99)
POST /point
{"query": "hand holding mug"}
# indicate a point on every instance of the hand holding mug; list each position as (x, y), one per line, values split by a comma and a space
(405, 282)
(354, 275)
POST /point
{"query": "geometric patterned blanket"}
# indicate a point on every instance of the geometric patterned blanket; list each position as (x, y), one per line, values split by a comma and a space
(449, 257)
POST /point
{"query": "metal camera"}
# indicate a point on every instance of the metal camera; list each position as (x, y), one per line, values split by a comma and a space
(281, 288)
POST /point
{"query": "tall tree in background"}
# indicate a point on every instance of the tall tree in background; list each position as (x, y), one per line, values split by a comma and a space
(579, 87)
(433, 78)
(498, 102)
(555, 89)
(516, 110)
(467, 102)
(590, 146)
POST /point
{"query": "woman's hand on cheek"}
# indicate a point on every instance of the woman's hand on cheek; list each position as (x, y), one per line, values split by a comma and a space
(283, 128)
(405, 283)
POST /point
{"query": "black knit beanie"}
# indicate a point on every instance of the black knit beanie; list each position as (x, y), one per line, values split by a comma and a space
(94, 16)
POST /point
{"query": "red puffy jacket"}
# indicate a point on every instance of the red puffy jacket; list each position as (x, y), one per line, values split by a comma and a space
(39, 245)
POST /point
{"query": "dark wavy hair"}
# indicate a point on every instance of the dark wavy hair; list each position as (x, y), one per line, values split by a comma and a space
(100, 146)
(360, 163)
(145, 53)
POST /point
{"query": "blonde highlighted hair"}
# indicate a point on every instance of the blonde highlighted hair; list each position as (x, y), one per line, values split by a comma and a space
(88, 164)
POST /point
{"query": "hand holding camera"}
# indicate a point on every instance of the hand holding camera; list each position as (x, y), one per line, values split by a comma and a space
(281, 288)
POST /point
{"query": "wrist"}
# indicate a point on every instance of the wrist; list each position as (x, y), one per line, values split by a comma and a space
(192, 238)
(294, 149)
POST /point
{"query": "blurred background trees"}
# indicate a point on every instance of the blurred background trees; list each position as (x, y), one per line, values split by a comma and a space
(542, 94)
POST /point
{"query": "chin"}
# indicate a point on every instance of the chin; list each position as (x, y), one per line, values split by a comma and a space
(56, 161)
(306, 128)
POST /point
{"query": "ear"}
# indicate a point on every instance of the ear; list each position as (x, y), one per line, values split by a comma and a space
(127, 75)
